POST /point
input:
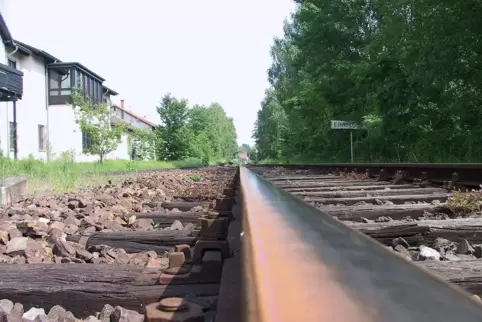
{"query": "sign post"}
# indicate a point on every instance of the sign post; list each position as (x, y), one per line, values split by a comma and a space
(346, 125)
(351, 145)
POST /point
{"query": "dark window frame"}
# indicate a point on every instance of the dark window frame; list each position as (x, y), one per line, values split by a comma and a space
(89, 85)
(87, 142)
(62, 94)
(12, 63)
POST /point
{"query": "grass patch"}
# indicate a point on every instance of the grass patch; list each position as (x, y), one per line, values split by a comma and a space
(64, 174)
(465, 203)
(354, 176)
(196, 177)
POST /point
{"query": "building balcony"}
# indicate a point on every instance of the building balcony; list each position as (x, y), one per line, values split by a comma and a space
(63, 77)
(11, 84)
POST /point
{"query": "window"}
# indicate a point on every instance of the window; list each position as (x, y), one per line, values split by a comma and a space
(12, 136)
(86, 87)
(59, 86)
(41, 138)
(65, 76)
(86, 141)
(96, 94)
(12, 63)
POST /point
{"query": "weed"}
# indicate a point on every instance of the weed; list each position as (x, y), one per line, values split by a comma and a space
(354, 176)
(465, 203)
(196, 177)
(399, 174)
(64, 174)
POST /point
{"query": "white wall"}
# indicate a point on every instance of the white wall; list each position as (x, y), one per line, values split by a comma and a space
(65, 135)
(3, 53)
(31, 110)
(3, 105)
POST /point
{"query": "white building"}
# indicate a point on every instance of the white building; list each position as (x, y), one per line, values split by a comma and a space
(43, 115)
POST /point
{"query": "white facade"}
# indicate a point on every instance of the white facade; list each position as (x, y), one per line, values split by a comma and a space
(40, 125)
(31, 110)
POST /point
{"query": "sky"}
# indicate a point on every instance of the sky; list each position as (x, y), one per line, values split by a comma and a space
(204, 51)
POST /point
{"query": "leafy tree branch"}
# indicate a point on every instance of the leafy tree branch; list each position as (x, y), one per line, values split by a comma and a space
(94, 119)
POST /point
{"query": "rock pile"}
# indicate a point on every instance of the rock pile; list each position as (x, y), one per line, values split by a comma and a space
(441, 249)
(35, 229)
(15, 313)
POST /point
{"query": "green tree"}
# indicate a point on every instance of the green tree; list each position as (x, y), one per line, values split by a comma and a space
(95, 121)
(173, 135)
(408, 70)
(214, 132)
(203, 132)
(142, 144)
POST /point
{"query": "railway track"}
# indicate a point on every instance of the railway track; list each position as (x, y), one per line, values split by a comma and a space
(327, 218)
(85, 257)
(302, 243)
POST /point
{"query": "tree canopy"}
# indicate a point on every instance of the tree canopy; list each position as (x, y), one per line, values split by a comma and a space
(407, 70)
(203, 132)
(94, 120)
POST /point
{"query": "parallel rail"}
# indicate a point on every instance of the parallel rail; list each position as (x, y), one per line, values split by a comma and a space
(302, 265)
(466, 174)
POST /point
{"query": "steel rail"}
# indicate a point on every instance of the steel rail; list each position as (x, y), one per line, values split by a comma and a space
(302, 265)
(378, 165)
(468, 174)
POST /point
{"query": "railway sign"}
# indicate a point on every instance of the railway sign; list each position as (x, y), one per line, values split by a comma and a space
(346, 125)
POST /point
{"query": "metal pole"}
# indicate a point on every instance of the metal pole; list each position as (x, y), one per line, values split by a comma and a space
(15, 134)
(351, 145)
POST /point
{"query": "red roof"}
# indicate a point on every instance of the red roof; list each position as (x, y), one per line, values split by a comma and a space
(243, 156)
(135, 115)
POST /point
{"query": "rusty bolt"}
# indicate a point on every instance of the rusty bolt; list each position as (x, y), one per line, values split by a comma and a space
(173, 304)
(177, 270)
(174, 310)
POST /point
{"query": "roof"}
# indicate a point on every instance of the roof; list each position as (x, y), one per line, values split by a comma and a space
(243, 155)
(4, 32)
(55, 62)
(78, 66)
(109, 91)
(135, 115)
(27, 49)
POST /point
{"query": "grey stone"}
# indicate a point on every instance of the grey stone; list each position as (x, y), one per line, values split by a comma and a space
(428, 253)
(12, 189)
(123, 315)
(177, 225)
(57, 314)
(104, 315)
(403, 252)
(41, 318)
(33, 313)
(17, 246)
(6, 306)
(400, 241)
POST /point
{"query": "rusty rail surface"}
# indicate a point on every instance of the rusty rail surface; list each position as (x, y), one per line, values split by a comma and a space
(303, 265)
